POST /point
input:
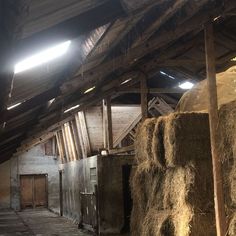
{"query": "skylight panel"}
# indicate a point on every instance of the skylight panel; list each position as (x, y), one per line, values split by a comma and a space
(42, 57)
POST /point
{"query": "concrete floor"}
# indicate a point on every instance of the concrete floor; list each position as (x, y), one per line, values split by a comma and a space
(36, 223)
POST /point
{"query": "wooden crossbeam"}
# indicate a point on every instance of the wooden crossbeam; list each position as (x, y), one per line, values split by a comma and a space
(121, 150)
(152, 90)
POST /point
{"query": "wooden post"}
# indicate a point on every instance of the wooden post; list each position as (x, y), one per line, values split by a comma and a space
(104, 122)
(143, 92)
(214, 122)
(109, 123)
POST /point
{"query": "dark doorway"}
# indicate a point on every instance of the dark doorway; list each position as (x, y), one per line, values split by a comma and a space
(33, 191)
(61, 193)
(128, 203)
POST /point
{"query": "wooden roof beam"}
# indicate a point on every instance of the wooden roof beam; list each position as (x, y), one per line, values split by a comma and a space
(90, 77)
(71, 28)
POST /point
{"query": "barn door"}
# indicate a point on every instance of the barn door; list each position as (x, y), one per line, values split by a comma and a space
(40, 191)
(27, 194)
(33, 191)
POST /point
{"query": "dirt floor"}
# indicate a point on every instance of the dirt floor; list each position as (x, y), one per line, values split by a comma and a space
(36, 223)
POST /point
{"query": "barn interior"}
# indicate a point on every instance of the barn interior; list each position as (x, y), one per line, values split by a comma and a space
(118, 117)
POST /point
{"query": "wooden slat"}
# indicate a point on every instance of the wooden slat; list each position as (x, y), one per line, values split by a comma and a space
(143, 92)
(76, 139)
(82, 145)
(85, 135)
(60, 149)
(122, 150)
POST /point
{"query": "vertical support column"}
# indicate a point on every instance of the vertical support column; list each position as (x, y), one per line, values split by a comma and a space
(104, 122)
(214, 121)
(108, 135)
(144, 92)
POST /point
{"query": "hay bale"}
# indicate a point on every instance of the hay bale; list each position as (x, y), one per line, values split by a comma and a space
(182, 218)
(196, 99)
(137, 216)
(158, 149)
(157, 222)
(232, 225)
(176, 186)
(201, 224)
(227, 128)
(192, 184)
(172, 186)
(186, 137)
(143, 141)
(145, 186)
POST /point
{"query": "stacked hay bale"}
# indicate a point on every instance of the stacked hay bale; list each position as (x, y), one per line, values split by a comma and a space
(196, 100)
(227, 128)
(172, 186)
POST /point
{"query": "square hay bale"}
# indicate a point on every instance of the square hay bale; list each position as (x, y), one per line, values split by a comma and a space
(227, 146)
(143, 141)
(192, 184)
(172, 186)
(227, 131)
(186, 137)
(158, 149)
(146, 186)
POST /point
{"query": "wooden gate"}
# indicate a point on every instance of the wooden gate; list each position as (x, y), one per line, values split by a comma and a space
(89, 209)
(33, 191)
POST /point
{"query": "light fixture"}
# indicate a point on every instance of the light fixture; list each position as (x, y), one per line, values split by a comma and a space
(42, 57)
(89, 90)
(164, 73)
(233, 59)
(186, 85)
(126, 81)
(51, 101)
(71, 108)
(13, 106)
(217, 18)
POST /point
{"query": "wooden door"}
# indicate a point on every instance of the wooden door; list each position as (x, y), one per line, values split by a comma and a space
(27, 198)
(33, 191)
(40, 191)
